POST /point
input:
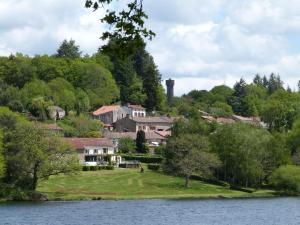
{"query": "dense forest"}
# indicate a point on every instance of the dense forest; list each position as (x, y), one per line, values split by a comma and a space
(78, 83)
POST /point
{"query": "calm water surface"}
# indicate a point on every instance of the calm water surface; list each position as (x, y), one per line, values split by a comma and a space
(279, 211)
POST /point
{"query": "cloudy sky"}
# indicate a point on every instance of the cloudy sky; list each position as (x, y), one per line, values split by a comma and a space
(199, 43)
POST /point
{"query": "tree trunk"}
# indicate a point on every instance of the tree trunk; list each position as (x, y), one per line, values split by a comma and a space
(187, 179)
(35, 178)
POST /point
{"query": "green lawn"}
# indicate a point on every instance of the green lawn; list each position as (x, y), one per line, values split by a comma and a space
(130, 184)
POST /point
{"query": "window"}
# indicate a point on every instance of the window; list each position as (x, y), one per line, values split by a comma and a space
(135, 114)
(144, 127)
(140, 127)
(86, 151)
(105, 150)
(95, 151)
(152, 127)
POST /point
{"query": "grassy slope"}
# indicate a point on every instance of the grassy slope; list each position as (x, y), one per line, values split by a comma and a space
(130, 184)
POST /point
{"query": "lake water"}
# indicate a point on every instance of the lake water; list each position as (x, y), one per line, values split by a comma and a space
(276, 211)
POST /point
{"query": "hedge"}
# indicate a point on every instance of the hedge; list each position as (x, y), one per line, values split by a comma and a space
(95, 168)
(154, 167)
(144, 158)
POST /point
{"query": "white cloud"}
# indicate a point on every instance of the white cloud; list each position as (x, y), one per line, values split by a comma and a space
(200, 43)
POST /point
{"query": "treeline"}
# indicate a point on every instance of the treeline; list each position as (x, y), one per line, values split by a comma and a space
(238, 153)
(78, 83)
(265, 97)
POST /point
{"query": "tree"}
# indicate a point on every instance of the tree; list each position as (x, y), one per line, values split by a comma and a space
(126, 145)
(187, 155)
(32, 155)
(147, 70)
(275, 83)
(39, 108)
(190, 126)
(127, 26)
(18, 70)
(258, 80)
(35, 89)
(280, 110)
(248, 153)
(49, 68)
(81, 126)
(286, 179)
(238, 96)
(63, 94)
(69, 50)
(141, 145)
(222, 91)
(82, 103)
(131, 86)
(220, 109)
(2, 161)
(9, 119)
(98, 83)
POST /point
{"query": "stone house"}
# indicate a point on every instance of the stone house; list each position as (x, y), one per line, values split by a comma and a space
(147, 124)
(109, 114)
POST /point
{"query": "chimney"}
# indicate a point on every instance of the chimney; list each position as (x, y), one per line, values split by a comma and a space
(170, 90)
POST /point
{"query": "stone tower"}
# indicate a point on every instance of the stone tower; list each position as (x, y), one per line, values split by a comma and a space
(170, 90)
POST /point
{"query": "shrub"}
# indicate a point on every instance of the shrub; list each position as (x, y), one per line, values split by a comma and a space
(160, 150)
(85, 168)
(93, 168)
(109, 167)
(99, 168)
(154, 167)
(286, 179)
(144, 158)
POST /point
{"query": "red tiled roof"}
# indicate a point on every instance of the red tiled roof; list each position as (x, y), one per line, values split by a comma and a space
(105, 109)
(80, 143)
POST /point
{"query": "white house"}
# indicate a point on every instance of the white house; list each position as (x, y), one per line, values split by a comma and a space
(135, 110)
(95, 151)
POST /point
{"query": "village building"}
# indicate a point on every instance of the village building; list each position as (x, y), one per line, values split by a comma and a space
(56, 112)
(153, 138)
(147, 124)
(95, 151)
(109, 114)
(135, 110)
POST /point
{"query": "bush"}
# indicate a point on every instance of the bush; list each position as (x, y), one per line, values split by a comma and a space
(99, 167)
(109, 167)
(93, 168)
(85, 168)
(160, 150)
(144, 158)
(154, 167)
(286, 179)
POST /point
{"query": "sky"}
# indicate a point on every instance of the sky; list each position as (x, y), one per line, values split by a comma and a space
(199, 43)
